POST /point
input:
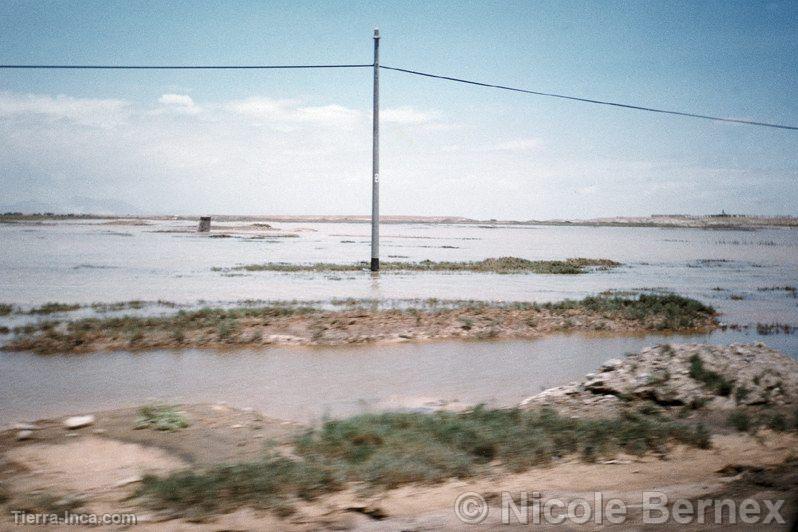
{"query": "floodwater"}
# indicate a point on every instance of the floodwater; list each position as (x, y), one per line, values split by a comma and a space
(307, 384)
(85, 262)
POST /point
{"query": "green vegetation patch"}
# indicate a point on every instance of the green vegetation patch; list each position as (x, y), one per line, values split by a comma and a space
(186, 320)
(6, 309)
(267, 483)
(505, 265)
(392, 449)
(711, 379)
(52, 308)
(749, 420)
(160, 417)
(740, 420)
(672, 311)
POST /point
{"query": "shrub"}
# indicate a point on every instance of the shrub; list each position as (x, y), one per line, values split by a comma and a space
(740, 420)
(741, 393)
(179, 336)
(265, 483)
(50, 308)
(160, 417)
(777, 422)
(711, 379)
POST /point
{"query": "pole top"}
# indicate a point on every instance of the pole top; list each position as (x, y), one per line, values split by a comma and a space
(376, 33)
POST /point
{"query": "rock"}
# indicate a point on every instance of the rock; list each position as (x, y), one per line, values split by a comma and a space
(375, 512)
(611, 364)
(76, 422)
(127, 481)
(753, 375)
(24, 435)
(75, 500)
(25, 426)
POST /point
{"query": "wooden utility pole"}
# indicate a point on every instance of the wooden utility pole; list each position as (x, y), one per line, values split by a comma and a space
(375, 160)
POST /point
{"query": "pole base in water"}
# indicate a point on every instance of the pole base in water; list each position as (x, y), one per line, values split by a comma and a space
(375, 264)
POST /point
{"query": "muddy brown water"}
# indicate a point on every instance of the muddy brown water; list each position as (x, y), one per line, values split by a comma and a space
(307, 384)
(87, 262)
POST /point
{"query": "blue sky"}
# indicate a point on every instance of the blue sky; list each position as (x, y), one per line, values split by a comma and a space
(298, 142)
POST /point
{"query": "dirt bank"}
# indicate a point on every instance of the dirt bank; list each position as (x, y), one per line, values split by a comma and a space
(739, 466)
(97, 468)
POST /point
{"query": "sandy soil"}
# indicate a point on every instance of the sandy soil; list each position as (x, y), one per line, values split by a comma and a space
(101, 465)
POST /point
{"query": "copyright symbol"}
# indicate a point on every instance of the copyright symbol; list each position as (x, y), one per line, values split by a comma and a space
(471, 508)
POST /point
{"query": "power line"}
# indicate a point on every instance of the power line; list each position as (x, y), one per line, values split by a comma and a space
(176, 67)
(589, 100)
(405, 70)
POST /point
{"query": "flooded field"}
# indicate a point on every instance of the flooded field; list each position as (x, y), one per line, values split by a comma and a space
(743, 274)
(306, 384)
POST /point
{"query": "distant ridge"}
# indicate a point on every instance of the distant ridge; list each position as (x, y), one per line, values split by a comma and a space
(709, 221)
(74, 205)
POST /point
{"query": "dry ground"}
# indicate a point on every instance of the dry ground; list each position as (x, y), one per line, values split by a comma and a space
(100, 465)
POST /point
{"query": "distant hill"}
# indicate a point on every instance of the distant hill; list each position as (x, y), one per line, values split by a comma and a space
(73, 205)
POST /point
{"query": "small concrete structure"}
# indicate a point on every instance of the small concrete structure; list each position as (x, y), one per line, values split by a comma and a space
(204, 224)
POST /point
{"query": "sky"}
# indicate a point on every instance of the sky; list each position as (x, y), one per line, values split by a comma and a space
(299, 142)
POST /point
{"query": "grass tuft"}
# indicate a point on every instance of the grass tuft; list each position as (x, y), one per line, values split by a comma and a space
(161, 417)
(670, 311)
(504, 265)
(711, 379)
(51, 308)
(392, 449)
(265, 483)
(740, 420)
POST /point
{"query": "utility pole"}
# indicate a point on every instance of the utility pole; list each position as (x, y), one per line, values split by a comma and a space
(375, 160)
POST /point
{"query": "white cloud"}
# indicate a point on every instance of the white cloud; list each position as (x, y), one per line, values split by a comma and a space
(83, 111)
(179, 102)
(261, 108)
(328, 114)
(406, 115)
(522, 144)
(283, 156)
(268, 111)
(176, 99)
